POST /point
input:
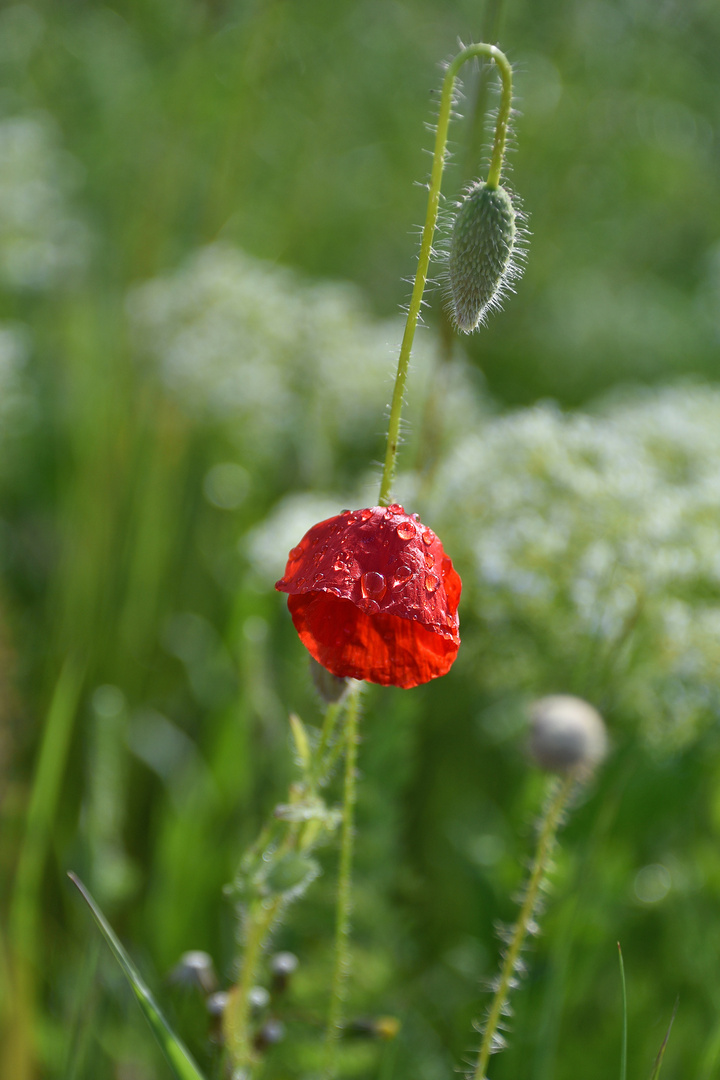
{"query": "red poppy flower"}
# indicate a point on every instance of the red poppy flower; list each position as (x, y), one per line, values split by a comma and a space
(373, 596)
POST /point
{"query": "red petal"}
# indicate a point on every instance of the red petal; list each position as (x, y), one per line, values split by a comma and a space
(373, 596)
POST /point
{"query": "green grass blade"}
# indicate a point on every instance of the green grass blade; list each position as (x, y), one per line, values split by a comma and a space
(179, 1058)
(661, 1052)
(24, 914)
(623, 1050)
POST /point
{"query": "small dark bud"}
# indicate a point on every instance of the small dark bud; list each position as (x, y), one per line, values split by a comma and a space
(217, 1003)
(195, 969)
(271, 1033)
(258, 998)
(282, 965)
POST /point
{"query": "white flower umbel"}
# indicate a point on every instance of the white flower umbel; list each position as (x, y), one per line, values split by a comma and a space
(42, 240)
(590, 542)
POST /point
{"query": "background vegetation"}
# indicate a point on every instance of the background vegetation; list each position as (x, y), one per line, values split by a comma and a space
(206, 213)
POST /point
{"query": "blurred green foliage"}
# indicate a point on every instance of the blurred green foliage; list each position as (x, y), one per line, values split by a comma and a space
(159, 159)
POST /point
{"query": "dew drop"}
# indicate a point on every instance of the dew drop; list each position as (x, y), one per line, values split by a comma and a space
(373, 585)
(371, 607)
(402, 576)
(431, 582)
(428, 536)
(394, 508)
(405, 530)
(343, 560)
(365, 515)
(301, 580)
(296, 552)
(429, 560)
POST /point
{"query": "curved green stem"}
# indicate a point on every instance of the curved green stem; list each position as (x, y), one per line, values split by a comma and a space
(546, 840)
(342, 925)
(236, 1019)
(428, 232)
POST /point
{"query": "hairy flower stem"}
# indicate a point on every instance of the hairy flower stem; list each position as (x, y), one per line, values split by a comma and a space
(498, 152)
(546, 840)
(236, 1021)
(344, 897)
(262, 913)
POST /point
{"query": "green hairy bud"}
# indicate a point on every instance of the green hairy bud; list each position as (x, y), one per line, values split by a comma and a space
(483, 239)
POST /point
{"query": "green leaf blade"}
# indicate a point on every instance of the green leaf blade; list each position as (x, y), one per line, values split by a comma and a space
(661, 1052)
(178, 1056)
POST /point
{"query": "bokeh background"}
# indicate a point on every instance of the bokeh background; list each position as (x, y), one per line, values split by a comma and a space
(207, 210)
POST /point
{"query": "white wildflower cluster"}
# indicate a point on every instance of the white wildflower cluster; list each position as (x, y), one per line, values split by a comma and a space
(288, 365)
(41, 239)
(593, 549)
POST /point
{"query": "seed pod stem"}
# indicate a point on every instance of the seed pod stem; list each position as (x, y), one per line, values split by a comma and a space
(546, 840)
(496, 161)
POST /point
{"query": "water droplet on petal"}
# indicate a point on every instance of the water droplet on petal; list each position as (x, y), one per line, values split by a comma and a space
(431, 582)
(428, 536)
(394, 508)
(429, 560)
(373, 585)
(343, 560)
(405, 530)
(402, 576)
(365, 515)
(301, 580)
(296, 552)
(371, 607)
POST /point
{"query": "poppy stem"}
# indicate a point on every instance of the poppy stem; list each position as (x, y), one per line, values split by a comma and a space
(344, 896)
(416, 299)
(546, 841)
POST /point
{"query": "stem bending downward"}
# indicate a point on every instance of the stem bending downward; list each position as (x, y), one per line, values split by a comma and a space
(498, 151)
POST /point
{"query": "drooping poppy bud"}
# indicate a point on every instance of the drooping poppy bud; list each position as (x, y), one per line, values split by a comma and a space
(373, 596)
(484, 237)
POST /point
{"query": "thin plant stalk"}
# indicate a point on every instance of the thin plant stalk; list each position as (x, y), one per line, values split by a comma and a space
(493, 180)
(236, 1021)
(18, 1051)
(344, 897)
(283, 836)
(546, 840)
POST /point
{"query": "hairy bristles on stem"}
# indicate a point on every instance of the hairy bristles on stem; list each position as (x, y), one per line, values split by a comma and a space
(445, 110)
(573, 757)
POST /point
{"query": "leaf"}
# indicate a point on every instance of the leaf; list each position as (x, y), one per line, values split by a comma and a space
(661, 1052)
(179, 1058)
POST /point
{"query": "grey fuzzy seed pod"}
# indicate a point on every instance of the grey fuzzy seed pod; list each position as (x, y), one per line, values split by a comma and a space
(566, 734)
(481, 246)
